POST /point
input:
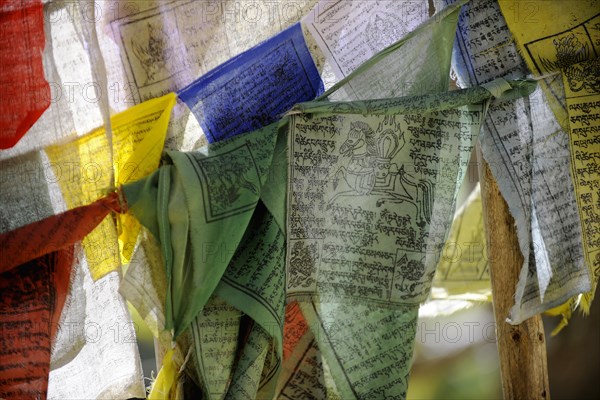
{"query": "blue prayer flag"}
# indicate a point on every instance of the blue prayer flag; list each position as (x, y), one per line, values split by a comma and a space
(254, 88)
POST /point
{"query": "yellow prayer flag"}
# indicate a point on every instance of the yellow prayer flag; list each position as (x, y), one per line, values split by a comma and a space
(463, 270)
(82, 169)
(551, 37)
(162, 385)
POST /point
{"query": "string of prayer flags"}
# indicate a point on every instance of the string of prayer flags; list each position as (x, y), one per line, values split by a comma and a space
(289, 75)
(103, 308)
(33, 295)
(246, 93)
(390, 73)
(340, 206)
(255, 88)
(154, 48)
(25, 91)
(26, 199)
(91, 308)
(83, 169)
(244, 304)
(275, 202)
(165, 47)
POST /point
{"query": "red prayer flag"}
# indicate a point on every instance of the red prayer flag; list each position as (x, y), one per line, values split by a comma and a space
(294, 328)
(24, 91)
(53, 233)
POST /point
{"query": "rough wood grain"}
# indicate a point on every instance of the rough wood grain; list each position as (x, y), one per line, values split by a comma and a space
(521, 348)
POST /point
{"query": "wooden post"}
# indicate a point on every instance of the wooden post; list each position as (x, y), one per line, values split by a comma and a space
(521, 348)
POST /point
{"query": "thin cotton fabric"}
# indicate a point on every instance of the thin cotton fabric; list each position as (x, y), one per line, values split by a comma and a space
(225, 181)
(527, 147)
(25, 91)
(255, 88)
(33, 295)
(569, 52)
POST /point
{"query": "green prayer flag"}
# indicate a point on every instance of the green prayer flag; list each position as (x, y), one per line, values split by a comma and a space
(198, 205)
(215, 336)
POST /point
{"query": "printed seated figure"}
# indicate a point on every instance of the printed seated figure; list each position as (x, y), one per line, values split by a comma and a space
(382, 30)
(153, 56)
